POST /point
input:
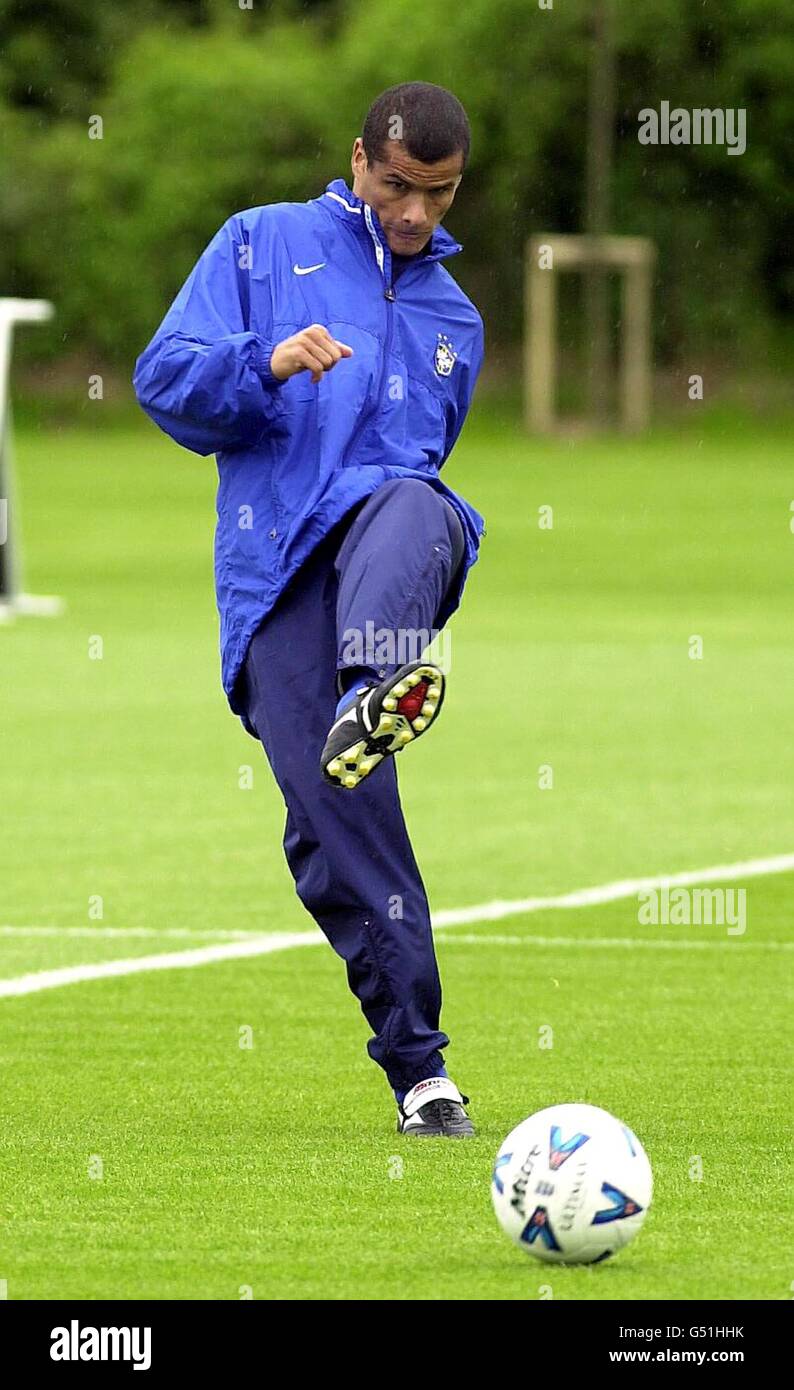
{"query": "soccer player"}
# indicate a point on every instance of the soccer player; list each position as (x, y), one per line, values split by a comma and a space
(327, 357)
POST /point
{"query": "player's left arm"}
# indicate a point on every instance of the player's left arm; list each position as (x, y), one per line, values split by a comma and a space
(467, 374)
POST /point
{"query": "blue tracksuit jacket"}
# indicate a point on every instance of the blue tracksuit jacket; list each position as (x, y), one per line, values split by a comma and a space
(294, 457)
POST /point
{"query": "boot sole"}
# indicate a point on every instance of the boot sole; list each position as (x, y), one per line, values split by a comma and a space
(396, 727)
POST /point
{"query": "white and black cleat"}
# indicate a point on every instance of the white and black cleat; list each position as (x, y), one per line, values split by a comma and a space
(434, 1108)
(380, 721)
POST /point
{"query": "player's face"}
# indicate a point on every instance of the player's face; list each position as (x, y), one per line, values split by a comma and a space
(410, 198)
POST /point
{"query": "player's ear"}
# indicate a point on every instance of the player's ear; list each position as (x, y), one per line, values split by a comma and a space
(455, 189)
(358, 159)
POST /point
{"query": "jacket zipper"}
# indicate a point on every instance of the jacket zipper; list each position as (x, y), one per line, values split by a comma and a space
(383, 257)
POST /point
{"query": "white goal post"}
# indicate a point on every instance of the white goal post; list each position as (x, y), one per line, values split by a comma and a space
(13, 599)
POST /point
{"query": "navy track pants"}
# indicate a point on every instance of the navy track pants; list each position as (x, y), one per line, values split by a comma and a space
(388, 563)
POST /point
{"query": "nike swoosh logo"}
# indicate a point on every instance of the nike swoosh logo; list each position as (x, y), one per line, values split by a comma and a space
(307, 269)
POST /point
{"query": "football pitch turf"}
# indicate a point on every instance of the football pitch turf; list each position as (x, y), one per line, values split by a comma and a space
(276, 1168)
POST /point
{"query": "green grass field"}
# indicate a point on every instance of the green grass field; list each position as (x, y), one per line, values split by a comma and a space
(277, 1168)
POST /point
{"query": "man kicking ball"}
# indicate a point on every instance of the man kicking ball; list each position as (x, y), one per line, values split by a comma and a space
(325, 355)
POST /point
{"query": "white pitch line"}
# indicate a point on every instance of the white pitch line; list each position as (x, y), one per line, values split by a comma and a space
(171, 960)
(157, 933)
(610, 943)
(612, 892)
(485, 912)
(481, 912)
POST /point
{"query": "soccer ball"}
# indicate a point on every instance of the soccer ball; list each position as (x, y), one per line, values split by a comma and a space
(571, 1184)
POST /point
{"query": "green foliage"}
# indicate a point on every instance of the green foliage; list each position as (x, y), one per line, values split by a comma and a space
(208, 108)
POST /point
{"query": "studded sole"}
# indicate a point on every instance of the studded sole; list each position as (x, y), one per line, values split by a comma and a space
(406, 712)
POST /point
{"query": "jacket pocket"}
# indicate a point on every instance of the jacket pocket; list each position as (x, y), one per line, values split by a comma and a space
(425, 423)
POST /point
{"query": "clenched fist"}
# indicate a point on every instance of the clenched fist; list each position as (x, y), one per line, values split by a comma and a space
(312, 350)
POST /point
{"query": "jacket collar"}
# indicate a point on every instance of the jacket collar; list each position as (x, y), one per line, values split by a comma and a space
(350, 208)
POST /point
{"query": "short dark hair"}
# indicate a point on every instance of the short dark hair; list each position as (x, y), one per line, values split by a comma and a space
(434, 124)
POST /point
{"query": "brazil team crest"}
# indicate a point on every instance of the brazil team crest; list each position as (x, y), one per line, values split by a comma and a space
(445, 355)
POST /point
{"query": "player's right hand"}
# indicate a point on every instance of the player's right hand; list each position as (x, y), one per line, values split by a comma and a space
(312, 350)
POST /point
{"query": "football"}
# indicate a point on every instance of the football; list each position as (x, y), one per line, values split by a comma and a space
(571, 1184)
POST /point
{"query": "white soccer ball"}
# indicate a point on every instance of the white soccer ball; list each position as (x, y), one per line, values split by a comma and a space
(571, 1184)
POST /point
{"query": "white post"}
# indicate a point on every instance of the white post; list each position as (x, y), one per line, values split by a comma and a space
(12, 599)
